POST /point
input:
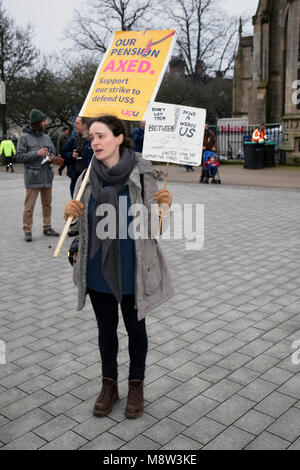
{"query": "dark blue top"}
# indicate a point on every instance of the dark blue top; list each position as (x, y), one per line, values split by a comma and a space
(138, 137)
(95, 279)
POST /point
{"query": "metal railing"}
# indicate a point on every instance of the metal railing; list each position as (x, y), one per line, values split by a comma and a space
(231, 139)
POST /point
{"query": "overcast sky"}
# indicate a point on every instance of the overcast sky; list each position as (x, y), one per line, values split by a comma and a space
(49, 17)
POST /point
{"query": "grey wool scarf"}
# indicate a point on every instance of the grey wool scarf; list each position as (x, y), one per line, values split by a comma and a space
(117, 177)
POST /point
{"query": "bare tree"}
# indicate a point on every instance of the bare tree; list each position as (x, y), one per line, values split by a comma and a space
(207, 37)
(92, 27)
(17, 54)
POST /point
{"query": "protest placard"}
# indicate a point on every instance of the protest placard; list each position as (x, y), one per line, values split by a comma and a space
(130, 74)
(174, 134)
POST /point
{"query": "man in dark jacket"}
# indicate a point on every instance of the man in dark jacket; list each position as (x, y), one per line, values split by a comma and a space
(36, 150)
(61, 142)
(138, 137)
(78, 152)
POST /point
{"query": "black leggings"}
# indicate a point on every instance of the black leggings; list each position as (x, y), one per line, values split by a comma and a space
(106, 310)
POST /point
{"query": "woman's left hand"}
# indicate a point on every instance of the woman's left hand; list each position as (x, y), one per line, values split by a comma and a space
(163, 197)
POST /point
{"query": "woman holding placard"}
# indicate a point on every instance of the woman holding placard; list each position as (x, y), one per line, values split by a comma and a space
(119, 268)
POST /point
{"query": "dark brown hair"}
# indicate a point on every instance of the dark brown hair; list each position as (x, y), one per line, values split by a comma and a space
(115, 125)
(84, 120)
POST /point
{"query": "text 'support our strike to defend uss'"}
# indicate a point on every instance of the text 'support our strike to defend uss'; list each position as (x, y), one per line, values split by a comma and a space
(130, 74)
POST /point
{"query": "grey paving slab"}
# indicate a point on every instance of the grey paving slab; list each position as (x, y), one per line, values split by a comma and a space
(166, 384)
(104, 442)
(276, 404)
(29, 403)
(164, 431)
(29, 441)
(61, 404)
(254, 422)
(230, 439)
(82, 411)
(288, 425)
(219, 366)
(23, 375)
(162, 407)
(267, 441)
(181, 442)
(38, 383)
(186, 371)
(55, 427)
(262, 363)
(209, 358)
(10, 396)
(214, 374)
(16, 428)
(292, 387)
(256, 347)
(231, 410)
(67, 441)
(141, 443)
(204, 430)
(3, 420)
(93, 427)
(295, 445)
(222, 390)
(195, 409)
(188, 390)
(128, 429)
(65, 385)
(243, 376)
(258, 390)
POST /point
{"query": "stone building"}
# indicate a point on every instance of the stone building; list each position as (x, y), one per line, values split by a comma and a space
(267, 69)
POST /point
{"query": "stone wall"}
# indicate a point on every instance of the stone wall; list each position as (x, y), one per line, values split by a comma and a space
(265, 93)
(242, 77)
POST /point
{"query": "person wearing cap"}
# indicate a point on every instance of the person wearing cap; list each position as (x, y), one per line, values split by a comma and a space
(36, 151)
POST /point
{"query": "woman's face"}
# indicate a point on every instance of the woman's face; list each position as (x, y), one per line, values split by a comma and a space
(105, 145)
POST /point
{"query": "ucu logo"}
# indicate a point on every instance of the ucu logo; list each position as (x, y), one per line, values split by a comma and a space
(125, 112)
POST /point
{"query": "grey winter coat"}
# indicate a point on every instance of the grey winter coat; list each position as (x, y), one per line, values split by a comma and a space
(36, 175)
(152, 277)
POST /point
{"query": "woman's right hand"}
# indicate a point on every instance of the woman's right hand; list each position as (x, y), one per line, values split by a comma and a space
(73, 209)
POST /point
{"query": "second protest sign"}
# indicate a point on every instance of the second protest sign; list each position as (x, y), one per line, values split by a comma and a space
(174, 134)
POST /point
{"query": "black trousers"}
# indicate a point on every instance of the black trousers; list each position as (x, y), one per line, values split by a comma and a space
(106, 310)
(73, 184)
(8, 161)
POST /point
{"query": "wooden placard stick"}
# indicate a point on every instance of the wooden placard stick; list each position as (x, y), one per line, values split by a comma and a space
(69, 221)
(165, 187)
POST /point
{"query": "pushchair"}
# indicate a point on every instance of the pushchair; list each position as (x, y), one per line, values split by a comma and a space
(211, 174)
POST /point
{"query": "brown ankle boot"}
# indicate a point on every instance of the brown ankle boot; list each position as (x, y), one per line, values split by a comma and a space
(135, 399)
(108, 396)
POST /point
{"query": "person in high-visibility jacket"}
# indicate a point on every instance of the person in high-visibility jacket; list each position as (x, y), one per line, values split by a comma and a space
(8, 149)
(259, 135)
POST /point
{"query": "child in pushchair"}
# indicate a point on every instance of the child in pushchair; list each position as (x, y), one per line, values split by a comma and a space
(211, 170)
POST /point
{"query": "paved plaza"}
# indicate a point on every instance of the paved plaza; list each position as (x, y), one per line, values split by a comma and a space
(220, 373)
